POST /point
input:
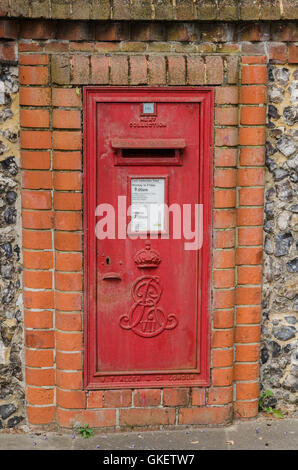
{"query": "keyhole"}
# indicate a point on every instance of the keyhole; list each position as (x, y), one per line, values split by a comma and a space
(108, 260)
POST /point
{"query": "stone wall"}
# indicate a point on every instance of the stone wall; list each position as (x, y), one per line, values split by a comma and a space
(11, 315)
(183, 10)
(279, 353)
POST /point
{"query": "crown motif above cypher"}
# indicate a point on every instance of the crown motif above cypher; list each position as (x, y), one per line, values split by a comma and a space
(147, 257)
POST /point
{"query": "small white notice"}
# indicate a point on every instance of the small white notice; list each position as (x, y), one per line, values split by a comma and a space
(147, 204)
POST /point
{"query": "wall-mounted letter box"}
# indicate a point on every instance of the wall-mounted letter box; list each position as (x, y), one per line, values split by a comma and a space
(147, 193)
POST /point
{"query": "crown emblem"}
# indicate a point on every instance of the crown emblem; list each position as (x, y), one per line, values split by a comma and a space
(147, 257)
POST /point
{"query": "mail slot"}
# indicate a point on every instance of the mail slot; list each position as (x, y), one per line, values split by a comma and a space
(147, 193)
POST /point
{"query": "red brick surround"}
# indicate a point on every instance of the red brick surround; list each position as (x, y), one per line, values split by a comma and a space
(52, 73)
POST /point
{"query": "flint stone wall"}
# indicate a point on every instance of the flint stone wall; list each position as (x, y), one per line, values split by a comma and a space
(279, 351)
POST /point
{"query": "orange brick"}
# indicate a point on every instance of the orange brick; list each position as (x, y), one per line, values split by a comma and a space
(224, 259)
(226, 95)
(252, 136)
(37, 179)
(68, 261)
(39, 358)
(67, 201)
(205, 415)
(70, 399)
(67, 97)
(224, 218)
(66, 119)
(223, 338)
(248, 295)
(34, 117)
(222, 377)
(247, 315)
(224, 278)
(245, 409)
(30, 47)
(95, 399)
(220, 395)
(37, 240)
(224, 238)
(254, 74)
(293, 54)
(66, 341)
(249, 255)
(40, 377)
(226, 116)
(145, 398)
(68, 281)
(225, 178)
(224, 298)
(223, 319)
(67, 181)
(224, 198)
(253, 115)
(68, 321)
(251, 196)
(69, 380)
(198, 396)
(250, 236)
(35, 139)
(225, 157)
(33, 75)
(68, 241)
(36, 199)
(41, 414)
(35, 96)
(36, 161)
(33, 59)
(38, 319)
(117, 398)
(247, 334)
(67, 140)
(258, 59)
(95, 418)
(250, 275)
(244, 371)
(226, 137)
(68, 301)
(222, 357)
(175, 397)
(39, 299)
(147, 417)
(37, 279)
(68, 361)
(40, 396)
(37, 219)
(247, 352)
(67, 160)
(250, 216)
(277, 53)
(68, 220)
(253, 94)
(37, 259)
(252, 156)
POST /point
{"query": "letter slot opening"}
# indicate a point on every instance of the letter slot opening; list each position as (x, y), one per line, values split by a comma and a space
(148, 151)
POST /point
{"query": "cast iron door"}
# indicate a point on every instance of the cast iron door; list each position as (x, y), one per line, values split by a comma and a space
(147, 177)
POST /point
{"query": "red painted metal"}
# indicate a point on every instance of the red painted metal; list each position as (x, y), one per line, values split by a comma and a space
(148, 143)
(146, 302)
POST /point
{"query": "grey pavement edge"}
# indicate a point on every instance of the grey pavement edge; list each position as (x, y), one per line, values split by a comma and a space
(256, 434)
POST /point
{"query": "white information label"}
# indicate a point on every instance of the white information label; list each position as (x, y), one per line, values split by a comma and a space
(147, 204)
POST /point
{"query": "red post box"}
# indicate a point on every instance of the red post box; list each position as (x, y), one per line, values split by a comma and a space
(147, 193)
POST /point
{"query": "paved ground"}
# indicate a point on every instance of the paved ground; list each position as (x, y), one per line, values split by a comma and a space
(259, 434)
